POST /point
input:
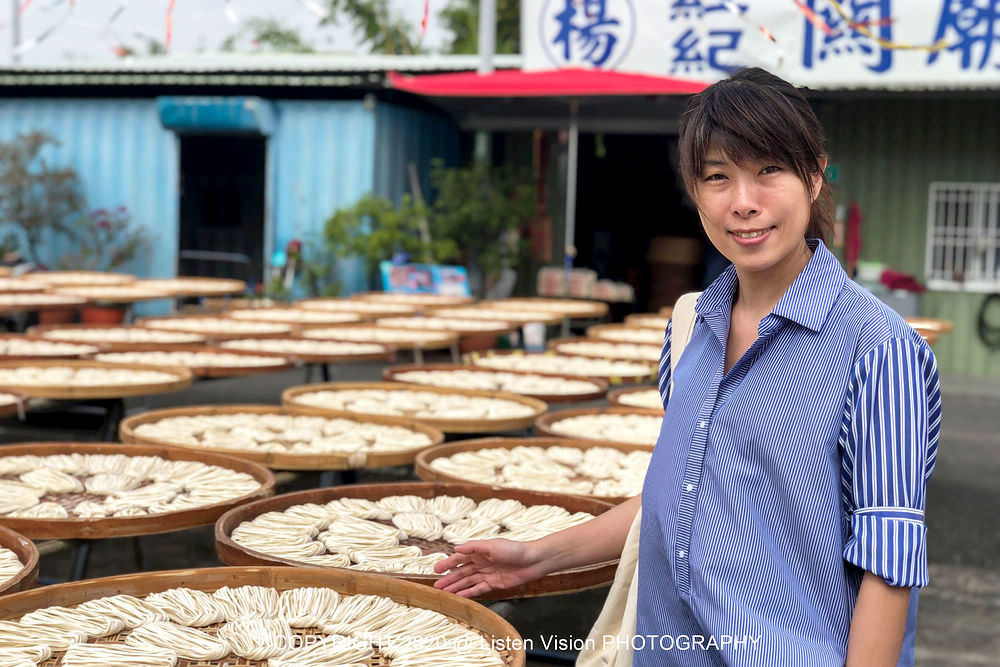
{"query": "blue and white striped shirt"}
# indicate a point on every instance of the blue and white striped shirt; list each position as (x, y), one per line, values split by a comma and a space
(773, 487)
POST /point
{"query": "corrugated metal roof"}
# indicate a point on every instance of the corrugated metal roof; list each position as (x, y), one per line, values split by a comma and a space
(241, 69)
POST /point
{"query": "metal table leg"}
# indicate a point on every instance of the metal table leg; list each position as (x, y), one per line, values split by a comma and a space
(324, 370)
(456, 357)
(81, 558)
(418, 356)
(337, 477)
(114, 411)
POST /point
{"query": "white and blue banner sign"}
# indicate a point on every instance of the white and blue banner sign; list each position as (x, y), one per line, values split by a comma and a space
(818, 43)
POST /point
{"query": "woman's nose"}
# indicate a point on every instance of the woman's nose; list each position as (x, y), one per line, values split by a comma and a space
(745, 203)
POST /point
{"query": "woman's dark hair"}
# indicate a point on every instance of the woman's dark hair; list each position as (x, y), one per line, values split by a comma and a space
(754, 115)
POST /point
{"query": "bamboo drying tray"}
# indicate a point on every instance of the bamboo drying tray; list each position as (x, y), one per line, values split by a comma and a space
(935, 324)
(648, 320)
(92, 528)
(66, 355)
(289, 400)
(77, 278)
(466, 612)
(543, 425)
(444, 339)
(283, 363)
(45, 301)
(502, 327)
(267, 314)
(473, 357)
(216, 334)
(422, 466)
(126, 293)
(650, 336)
(568, 581)
(391, 374)
(13, 408)
(367, 309)
(615, 397)
(417, 300)
(182, 380)
(384, 355)
(18, 285)
(585, 310)
(112, 346)
(559, 344)
(511, 315)
(27, 553)
(194, 286)
(280, 460)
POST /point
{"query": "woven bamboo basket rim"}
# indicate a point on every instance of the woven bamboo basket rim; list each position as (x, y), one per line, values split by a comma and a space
(14, 408)
(638, 320)
(615, 396)
(27, 553)
(97, 347)
(68, 303)
(543, 425)
(61, 392)
(595, 308)
(215, 334)
(935, 324)
(930, 336)
(568, 581)
(557, 344)
(392, 373)
(301, 357)
(371, 311)
(498, 632)
(504, 326)
(39, 330)
(279, 460)
(222, 286)
(422, 466)
(292, 322)
(139, 294)
(417, 300)
(79, 278)
(289, 401)
(283, 362)
(18, 285)
(548, 318)
(594, 332)
(93, 528)
(445, 339)
(472, 357)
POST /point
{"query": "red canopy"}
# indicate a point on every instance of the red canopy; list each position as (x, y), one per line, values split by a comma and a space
(549, 83)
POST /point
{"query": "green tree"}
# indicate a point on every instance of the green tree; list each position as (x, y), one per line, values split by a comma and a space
(270, 34)
(382, 30)
(461, 18)
(36, 196)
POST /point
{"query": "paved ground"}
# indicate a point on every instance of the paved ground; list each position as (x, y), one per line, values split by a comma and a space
(959, 612)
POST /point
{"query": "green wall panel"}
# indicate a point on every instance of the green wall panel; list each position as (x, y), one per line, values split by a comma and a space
(889, 150)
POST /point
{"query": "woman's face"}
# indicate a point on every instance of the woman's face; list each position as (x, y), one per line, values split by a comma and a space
(755, 213)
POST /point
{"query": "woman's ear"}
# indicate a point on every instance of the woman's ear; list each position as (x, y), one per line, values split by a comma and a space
(817, 179)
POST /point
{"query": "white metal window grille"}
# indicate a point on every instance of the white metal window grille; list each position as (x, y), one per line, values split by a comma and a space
(963, 237)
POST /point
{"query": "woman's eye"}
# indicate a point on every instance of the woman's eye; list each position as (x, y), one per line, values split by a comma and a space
(715, 177)
(770, 169)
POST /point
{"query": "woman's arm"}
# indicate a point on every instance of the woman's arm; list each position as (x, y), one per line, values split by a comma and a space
(485, 565)
(878, 624)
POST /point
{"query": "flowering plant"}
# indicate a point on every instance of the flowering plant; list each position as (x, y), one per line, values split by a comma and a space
(107, 240)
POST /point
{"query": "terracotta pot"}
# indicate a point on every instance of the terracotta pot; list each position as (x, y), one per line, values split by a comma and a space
(102, 315)
(477, 342)
(57, 316)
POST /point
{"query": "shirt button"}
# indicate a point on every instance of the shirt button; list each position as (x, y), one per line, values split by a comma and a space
(702, 424)
(681, 553)
(689, 488)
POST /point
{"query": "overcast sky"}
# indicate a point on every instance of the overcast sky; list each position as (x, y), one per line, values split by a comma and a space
(83, 34)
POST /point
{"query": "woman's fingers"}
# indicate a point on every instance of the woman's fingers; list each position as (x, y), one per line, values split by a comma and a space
(450, 563)
(461, 584)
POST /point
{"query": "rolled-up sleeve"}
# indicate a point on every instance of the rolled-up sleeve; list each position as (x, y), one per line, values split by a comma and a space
(889, 450)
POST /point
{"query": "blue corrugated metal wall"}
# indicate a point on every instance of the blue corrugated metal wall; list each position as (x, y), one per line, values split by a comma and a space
(322, 160)
(122, 155)
(404, 135)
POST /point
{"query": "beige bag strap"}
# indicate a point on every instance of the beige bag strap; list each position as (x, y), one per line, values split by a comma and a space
(609, 642)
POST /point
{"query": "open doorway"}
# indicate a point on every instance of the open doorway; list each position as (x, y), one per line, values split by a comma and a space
(222, 206)
(628, 193)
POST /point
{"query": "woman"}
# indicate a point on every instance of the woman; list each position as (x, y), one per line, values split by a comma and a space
(782, 512)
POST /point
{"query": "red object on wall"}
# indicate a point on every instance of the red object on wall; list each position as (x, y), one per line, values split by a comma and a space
(852, 242)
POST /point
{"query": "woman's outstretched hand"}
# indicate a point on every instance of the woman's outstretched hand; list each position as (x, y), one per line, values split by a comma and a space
(487, 565)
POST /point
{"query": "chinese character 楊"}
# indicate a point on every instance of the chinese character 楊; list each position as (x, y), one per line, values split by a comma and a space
(586, 32)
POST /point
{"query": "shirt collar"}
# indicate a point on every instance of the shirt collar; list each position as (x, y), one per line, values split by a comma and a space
(807, 302)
